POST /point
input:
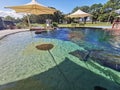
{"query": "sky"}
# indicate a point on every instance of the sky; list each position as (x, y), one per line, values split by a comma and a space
(65, 6)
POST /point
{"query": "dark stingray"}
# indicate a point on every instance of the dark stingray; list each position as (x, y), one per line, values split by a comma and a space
(98, 56)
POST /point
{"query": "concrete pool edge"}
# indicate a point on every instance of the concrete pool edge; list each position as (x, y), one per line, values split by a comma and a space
(97, 27)
(5, 33)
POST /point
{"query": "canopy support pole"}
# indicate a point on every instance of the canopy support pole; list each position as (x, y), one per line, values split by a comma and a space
(28, 21)
(29, 24)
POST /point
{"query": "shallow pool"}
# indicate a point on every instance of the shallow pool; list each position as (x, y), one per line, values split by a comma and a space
(81, 59)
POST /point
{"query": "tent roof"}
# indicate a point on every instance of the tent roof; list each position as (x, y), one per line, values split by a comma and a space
(79, 13)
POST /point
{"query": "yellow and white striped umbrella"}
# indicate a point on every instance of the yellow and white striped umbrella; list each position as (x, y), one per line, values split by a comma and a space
(33, 8)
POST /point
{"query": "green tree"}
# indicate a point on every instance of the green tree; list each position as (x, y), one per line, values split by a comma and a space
(107, 11)
(85, 9)
(75, 9)
(9, 18)
(58, 17)
(95, 10)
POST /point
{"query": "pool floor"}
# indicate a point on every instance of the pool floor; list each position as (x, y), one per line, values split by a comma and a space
(24, 67)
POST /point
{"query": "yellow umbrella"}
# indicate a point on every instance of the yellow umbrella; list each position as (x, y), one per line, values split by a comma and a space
(32, 8)
(79, 14)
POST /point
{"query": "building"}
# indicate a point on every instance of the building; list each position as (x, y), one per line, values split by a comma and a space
(9, 25)
(4, 24)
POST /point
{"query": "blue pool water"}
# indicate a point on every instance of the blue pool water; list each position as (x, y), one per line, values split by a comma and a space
(94, 36)
(81, 59)
(86, 37)
(91, 39)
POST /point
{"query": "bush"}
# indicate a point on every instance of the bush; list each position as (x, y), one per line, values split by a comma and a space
(54, 24)
(21, 25)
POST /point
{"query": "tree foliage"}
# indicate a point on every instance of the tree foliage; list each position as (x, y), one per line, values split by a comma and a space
(100, 12)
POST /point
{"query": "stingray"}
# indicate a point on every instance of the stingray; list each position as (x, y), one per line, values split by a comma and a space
(99, 56)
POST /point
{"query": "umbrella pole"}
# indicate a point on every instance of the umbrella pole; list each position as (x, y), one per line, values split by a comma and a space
(29, 29)
(28, 21)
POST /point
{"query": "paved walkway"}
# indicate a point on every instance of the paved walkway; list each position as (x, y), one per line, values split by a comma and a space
(101, 27)
(4, 33)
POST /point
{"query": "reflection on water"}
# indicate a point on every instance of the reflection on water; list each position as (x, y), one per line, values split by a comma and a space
(92, 40)
(115, 42)
(75, 36)
(99, 38)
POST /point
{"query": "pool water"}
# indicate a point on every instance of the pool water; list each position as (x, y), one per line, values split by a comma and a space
(81, 59)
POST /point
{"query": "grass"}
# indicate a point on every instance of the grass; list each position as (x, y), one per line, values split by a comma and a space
(88, 24)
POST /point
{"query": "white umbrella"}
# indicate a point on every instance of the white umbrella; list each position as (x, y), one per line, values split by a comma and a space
(118, 16)
(117, 11)
(78, 14)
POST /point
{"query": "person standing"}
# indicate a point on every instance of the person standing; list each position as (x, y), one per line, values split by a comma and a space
(116, 23)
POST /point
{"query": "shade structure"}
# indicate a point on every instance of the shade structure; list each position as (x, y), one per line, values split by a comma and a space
(117, 11)
(118, 16)
(79, 13)
(33, 8)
